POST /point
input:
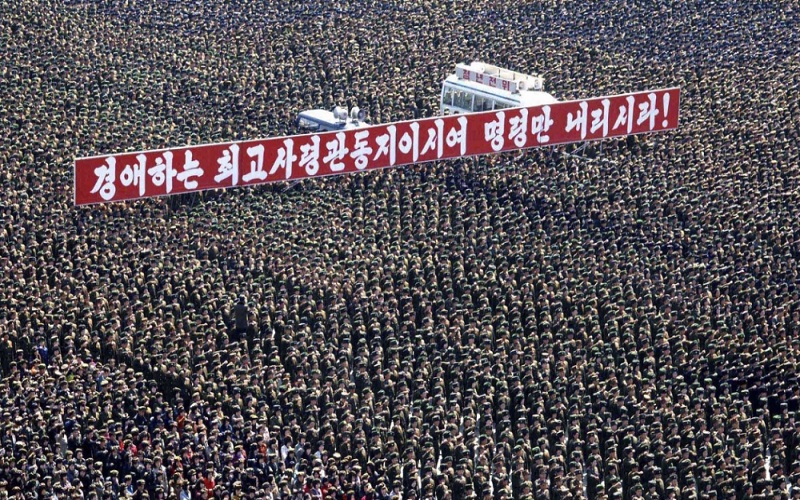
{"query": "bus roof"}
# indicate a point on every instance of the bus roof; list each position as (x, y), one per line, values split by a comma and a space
(523, 97)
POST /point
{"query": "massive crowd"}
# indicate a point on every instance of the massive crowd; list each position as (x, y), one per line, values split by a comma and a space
(527, 326)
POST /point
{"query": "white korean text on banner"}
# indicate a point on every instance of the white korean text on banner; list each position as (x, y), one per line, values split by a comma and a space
(130, 176)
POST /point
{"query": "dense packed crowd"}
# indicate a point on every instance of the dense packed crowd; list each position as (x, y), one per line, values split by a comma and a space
(527, 326)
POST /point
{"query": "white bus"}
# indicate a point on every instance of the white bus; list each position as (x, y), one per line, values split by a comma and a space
(483, 87)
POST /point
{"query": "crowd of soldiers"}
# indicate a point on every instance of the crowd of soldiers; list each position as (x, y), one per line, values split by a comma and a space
(622, 324)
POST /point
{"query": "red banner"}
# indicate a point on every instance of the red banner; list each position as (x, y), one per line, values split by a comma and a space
(130, 176)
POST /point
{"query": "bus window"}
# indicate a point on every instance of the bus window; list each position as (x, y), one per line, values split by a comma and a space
(306, 124)
(462, 100)
(456, 98)
(448, 96)
(479, 102)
